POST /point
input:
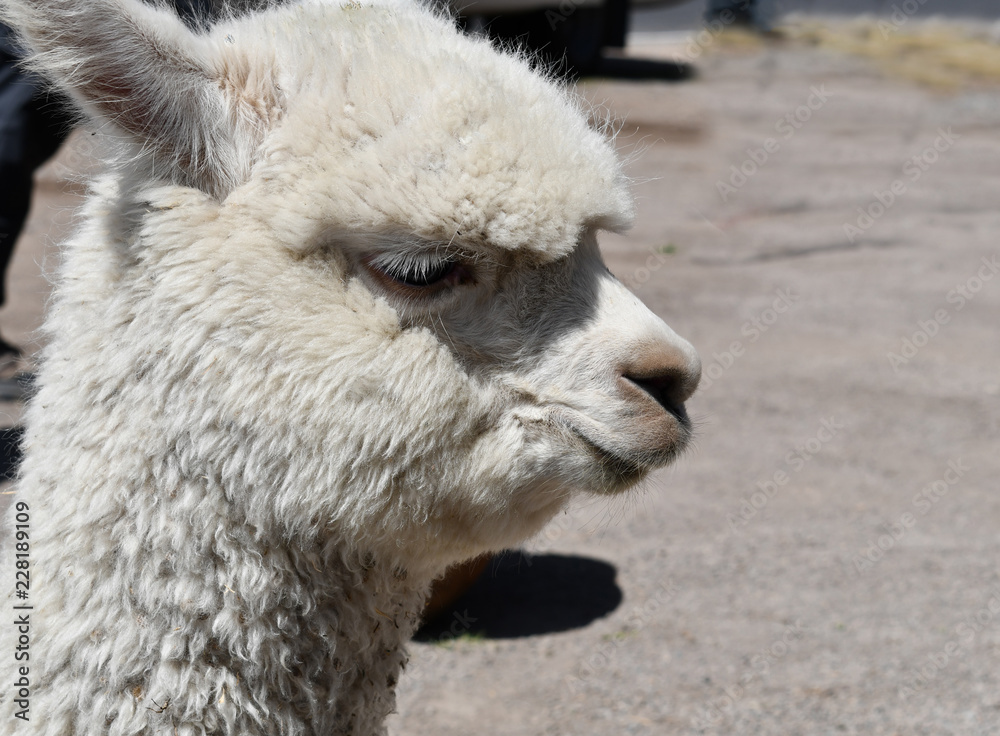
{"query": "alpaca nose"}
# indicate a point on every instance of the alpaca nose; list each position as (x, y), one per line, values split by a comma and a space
(669, 374)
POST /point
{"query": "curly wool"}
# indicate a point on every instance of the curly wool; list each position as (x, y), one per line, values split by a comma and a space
(248, 454)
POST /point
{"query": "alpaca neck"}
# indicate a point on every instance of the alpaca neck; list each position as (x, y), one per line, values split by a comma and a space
(330, 652)
(290, 641)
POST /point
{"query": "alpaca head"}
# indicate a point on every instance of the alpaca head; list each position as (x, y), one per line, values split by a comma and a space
(349, 267)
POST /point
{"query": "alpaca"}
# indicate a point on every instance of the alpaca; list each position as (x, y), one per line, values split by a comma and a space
(334, 319)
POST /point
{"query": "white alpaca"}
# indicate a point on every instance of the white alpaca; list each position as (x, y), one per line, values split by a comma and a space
(334, 320)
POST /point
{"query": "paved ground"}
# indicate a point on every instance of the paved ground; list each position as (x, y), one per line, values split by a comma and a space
(826, 560)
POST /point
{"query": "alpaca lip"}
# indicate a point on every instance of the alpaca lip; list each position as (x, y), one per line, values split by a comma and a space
(626, 467)
(614, 450)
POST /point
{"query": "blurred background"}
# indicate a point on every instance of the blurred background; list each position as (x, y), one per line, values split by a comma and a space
(688, 15)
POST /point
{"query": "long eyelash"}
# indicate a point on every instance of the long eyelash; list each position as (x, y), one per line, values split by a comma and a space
(416, 271)
(401, 252)
(395, 262)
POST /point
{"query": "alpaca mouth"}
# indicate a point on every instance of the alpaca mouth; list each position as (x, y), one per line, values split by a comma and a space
(679, 412)
(627, 468)
(629, 455)
(623, 467)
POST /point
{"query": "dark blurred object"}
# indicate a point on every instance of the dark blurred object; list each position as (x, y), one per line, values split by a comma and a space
(737, 14)
(570, 36)
(17, 387)
(730, 12)
(33, 124)
(10, 451)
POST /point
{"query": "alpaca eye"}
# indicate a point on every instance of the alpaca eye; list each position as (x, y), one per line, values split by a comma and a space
(421, 273)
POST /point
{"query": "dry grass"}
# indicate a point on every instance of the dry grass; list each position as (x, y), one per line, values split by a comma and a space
(945, 56)
(737, 39)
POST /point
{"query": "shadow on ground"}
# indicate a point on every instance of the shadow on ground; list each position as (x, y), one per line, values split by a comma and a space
(525, 595)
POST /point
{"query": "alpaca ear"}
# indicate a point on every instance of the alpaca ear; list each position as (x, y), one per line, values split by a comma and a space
(141, 68)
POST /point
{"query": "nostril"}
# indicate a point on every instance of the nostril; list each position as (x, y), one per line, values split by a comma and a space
(666, 371)
(669, 389)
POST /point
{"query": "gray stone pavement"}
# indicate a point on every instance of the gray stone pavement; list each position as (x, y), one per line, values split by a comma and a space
(827, 559)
